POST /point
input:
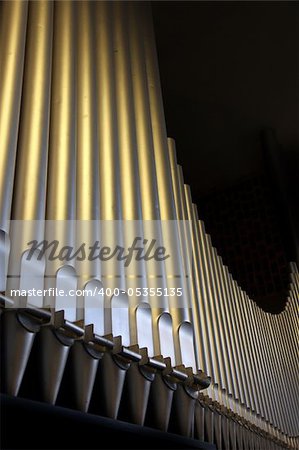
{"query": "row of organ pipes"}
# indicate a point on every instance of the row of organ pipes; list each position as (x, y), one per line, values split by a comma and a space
(83, 138)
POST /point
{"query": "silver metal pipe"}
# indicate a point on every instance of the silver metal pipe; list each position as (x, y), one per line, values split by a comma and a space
(285, 382)
(202, 298)
(285, 408)
(130, 198)
(87, 198)
(288, 332)
(267, 363)
(231, 320)
(258, 391)
(215, 299)
(248, 370)
(87, 160)
(31, 169)
(146, 161)
(229, 331)
(112, 271)
(12, 50)
(179, 305)
(271, 344)
(29, 198)
(218, 369)
(260, 362)
(182, 311)
(292, 312)
(159, 135)
(61, 187)
(190, 264)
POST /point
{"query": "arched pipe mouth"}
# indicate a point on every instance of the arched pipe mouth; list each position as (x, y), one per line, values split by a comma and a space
(144, 325)
(4, 256)
(120, 317)
(94, 310)
(166, 336)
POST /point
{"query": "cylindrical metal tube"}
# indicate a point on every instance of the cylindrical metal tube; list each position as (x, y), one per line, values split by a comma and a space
(130, 201)
(259, 361)
(272, 374)
(209, 351)
(222, 324)
(180, 310)
(257, 390)
(292, 312)
(189, 265)
(29, 197)
(203, 272)
(266, 362)
(12, 49)
(127, 145)
(179, 305)
(31, 170)
(112, 270)
(233, 386)
(87, 159)
(284, 358)
(215, 298)
(61, 189)
(61, 194)
(286, 411)
(246, 369)
(87, 198)
(162, 163)
(107, 117)
(234, 336)
(288, 333)
(146, 161)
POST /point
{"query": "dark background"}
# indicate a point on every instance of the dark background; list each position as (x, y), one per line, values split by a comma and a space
(229, 74)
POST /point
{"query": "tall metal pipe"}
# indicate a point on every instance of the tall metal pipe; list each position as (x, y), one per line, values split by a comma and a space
(252, 320)
(145, 157)
(218, 369)
(31, 170)
(232, 386)
(12, 50)
(130, 199)
(222, 325)
(29, 198)
(215, 311)
(265, 360)
(246, 373)
(61, 194)
(181, 311)
(61, 189)
(179, 306)
(87, 198)
(201, 295)
(87, 159)
(227, 281)
(190, 263)
(257, 388)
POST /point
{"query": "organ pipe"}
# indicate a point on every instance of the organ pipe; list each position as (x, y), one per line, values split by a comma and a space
(85, 160)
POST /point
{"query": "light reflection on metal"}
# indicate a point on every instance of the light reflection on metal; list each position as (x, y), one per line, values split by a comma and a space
(83, 137)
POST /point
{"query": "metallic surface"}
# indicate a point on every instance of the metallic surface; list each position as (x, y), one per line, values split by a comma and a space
(15, 349)
(84, 144)
(31, 167)
(12, 49)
